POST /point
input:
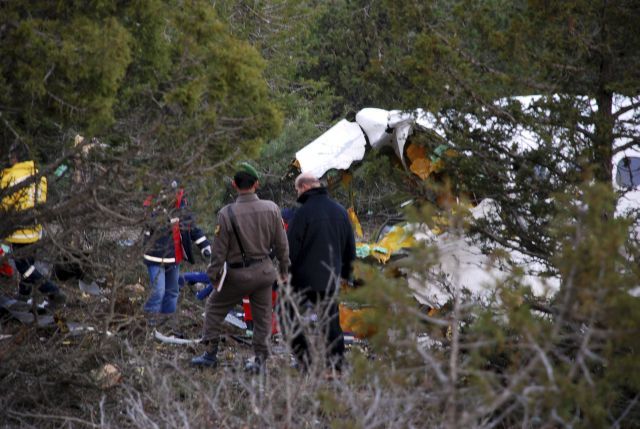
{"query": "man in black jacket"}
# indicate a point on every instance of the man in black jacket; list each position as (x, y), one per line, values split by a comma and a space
(322, 251)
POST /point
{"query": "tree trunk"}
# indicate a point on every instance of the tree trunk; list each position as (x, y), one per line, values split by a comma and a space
(604, 119)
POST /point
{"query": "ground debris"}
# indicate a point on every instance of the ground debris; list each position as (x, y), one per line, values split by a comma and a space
(107, 376)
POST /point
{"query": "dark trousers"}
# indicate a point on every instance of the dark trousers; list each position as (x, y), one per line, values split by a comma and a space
(30, 276)
(326, 307)
(254, 281)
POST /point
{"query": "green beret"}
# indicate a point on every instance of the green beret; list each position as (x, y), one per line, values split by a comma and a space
(249, 169)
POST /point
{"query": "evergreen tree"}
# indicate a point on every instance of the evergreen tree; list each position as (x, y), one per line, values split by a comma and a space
(119, 71)
(464, 60)
(160, 91)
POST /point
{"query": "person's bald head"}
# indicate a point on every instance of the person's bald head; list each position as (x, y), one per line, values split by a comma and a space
(306, 181)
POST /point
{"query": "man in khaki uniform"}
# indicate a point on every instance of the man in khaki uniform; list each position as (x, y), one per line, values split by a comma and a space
(247, 231)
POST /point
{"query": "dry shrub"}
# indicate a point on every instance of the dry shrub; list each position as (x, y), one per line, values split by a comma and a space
(50, 379)
(508, 362)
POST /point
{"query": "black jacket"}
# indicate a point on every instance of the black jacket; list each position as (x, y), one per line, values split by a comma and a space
(159, 244)
(321, 243)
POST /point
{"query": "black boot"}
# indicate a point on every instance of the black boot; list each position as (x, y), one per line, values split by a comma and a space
(57, 299)
(208, 359)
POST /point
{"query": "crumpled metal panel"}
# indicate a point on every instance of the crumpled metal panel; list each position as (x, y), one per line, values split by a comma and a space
(375, 124)
(344, 143)
(387, 128)
(337, 148)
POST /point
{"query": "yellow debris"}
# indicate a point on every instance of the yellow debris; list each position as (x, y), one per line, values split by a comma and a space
(357, 228)
(346, 179)
(354, 320)
(422, 168)
(415, 152)
(397, 238)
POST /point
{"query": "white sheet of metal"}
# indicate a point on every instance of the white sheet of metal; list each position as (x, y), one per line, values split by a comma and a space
(387, 128)
(344, 143)
(375, 123)
(338, 148)
(403, 124)
(463, 266)
(401, 133)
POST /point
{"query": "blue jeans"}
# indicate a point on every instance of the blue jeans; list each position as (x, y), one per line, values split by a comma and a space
(164, 288)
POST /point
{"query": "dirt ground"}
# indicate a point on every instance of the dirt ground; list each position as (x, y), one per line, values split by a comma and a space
(99, 365)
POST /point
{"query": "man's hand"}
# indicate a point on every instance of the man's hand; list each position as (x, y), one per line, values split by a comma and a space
(283, 279)
(346, 283)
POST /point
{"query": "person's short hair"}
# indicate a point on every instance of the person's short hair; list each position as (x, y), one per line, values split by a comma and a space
(244, 180)
(307, 179)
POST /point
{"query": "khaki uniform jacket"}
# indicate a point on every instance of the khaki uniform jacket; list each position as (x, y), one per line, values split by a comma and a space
(260, 228)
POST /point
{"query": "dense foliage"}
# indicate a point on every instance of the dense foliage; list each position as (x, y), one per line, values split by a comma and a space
(165, 90)
(165, 80)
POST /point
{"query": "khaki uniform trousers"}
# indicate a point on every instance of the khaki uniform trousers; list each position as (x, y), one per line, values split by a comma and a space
(256, 282)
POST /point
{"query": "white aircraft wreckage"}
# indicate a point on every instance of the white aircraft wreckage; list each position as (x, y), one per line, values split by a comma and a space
(346, 142)
(462, 265)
